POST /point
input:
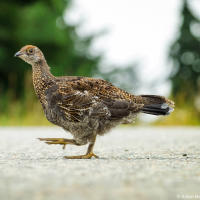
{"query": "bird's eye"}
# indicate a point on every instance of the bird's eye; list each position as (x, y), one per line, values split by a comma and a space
(30, 51)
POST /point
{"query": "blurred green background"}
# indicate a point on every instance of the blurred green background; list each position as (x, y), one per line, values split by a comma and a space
(42, 23)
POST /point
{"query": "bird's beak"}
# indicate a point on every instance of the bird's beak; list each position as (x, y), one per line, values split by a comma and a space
(18, 54)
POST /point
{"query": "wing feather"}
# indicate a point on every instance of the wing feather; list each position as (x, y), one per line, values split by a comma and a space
(91, 97)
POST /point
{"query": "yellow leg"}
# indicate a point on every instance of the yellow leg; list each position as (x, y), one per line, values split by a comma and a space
(89, 153)
(61, 141)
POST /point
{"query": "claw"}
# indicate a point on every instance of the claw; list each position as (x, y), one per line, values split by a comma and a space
(87, 156)
(94, 155)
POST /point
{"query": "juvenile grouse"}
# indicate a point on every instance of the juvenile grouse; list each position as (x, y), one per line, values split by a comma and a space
(86, 107)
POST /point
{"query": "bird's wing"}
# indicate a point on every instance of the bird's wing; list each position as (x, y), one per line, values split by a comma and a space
(89, 91)
(119, 102)
(74, 105)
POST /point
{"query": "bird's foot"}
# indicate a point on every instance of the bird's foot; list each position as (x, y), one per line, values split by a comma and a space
(86, 156)
(61, 141)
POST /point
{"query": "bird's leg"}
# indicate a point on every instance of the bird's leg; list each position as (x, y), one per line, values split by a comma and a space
(89, 153)
(61, 141)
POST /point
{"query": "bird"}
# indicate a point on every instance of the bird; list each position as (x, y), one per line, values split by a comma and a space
(84, 106)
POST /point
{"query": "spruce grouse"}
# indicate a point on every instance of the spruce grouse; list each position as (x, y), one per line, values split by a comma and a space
(86, 107)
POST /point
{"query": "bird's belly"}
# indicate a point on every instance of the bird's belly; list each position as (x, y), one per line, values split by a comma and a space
(87, 127)
(80, 130)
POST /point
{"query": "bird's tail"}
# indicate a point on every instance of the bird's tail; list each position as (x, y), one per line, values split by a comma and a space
(156, 105)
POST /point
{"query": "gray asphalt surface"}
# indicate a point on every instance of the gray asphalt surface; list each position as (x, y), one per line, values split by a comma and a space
(135, 163)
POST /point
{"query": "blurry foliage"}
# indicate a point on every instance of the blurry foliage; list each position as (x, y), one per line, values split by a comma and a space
(40, 23)
(185, 76)
(23, 111)
(185, 54)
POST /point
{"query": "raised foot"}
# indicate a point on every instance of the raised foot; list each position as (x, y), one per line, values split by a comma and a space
(61, 141)
(87, 156)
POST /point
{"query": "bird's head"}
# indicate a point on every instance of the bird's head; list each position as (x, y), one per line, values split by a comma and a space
(30, 54)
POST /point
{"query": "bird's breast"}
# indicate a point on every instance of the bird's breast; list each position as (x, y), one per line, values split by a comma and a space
(41, 84)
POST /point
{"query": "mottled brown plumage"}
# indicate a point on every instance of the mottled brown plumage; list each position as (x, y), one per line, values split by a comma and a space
(86, 107)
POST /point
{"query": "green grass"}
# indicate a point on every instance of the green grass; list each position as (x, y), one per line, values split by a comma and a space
(19, 114)
(26, 111)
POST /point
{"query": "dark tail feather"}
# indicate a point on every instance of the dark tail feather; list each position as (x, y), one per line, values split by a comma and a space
(157, 105)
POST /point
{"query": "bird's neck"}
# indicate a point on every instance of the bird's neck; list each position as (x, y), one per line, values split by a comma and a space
(42, 79)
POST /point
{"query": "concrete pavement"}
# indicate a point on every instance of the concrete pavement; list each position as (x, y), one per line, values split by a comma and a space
(135, 163)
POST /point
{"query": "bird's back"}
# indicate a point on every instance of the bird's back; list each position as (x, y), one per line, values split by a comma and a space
(96, 87)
